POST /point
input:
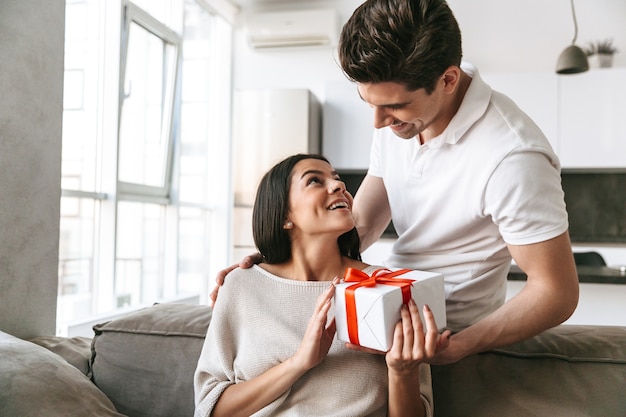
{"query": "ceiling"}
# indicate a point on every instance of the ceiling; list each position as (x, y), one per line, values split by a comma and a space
(256, 4)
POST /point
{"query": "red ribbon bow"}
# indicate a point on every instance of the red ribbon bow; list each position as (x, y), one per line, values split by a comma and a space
(380, 276)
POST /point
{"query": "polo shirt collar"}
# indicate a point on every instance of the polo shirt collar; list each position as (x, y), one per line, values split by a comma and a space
(473, 107)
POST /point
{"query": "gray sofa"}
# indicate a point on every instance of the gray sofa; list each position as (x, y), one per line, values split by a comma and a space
(142, 365)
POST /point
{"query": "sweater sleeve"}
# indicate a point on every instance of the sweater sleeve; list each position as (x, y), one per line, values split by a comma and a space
(426, 389)
(223, 345)
(214, 372)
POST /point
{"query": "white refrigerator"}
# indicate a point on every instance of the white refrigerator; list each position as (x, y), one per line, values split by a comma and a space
(268, 125)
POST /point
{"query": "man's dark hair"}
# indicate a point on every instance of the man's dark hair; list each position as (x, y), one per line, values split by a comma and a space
(410, 42)
(270, 211)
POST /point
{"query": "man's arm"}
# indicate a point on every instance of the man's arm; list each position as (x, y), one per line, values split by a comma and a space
(549, 297)
(371, 210)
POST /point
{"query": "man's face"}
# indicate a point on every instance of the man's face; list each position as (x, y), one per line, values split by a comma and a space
(407, 113)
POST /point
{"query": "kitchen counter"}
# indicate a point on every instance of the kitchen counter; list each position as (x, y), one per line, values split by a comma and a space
(602, 295)
(586, 274)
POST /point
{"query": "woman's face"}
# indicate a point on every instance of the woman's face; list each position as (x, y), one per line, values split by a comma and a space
(318, 199)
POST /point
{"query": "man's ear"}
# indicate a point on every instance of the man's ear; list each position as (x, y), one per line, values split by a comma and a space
(451, 78)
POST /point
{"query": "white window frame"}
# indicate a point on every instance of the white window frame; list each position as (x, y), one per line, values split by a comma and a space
(110, 192)
(133, 14)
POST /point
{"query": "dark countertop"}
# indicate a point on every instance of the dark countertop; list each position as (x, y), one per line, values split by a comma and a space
(586, 274)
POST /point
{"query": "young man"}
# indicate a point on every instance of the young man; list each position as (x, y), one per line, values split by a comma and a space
(468, 179)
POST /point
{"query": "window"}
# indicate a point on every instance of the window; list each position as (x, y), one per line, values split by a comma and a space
(144, 208)
(150, 53)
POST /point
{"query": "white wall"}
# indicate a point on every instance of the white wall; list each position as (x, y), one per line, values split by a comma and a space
(31, 108)
(498, 36)
(529, 35)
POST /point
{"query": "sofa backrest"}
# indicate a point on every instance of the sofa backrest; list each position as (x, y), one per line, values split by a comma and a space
(566, 371)
(145, 362)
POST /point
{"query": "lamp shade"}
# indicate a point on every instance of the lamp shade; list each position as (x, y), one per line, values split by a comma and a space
(572, 61)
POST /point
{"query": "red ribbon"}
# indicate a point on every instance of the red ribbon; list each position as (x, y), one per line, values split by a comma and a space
(380, 276)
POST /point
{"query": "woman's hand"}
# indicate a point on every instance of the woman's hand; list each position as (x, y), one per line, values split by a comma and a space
(319, 335)
(412, 344)
(406, 319)
(411, 347)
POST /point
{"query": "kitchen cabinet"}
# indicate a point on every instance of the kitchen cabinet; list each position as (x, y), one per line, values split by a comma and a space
(348, 126)
(598, 304)
(582, 115)
(268, 126)
(592, 115)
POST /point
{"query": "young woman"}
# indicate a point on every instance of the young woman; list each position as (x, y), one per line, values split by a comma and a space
(270, 349)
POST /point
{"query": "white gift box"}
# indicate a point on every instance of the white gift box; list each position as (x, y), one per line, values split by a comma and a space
(378, 307)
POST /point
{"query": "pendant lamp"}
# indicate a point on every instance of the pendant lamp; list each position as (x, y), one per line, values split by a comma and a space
(573, 59)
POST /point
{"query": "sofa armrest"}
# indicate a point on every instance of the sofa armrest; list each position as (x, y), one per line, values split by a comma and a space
(37, 382)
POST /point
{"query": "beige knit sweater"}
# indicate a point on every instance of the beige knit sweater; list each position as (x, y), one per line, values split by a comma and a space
(258, 322)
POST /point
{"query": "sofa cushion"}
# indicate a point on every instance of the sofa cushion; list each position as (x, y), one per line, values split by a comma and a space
(574, 343)
(145, 361)
(36, 382)
(568, 371)
(75, 350)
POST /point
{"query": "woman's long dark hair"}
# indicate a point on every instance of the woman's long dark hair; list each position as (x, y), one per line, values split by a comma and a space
(270, 211)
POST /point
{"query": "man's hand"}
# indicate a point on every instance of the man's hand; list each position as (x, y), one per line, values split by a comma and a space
(245, 263)
(451, 354)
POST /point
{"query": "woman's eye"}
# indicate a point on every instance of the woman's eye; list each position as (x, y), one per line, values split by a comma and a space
(313, 180)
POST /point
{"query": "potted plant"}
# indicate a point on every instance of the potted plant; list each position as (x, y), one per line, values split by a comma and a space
(604, 50)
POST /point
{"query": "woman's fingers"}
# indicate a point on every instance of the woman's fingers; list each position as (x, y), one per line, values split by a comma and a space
(323, 301)
(418, 330)
(331, 328)
(320, 314)
(410, 331)
(414, 339)
(432, 333)
(319, 334)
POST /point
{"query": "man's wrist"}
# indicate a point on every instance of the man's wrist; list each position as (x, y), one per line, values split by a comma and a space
(456, 350)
